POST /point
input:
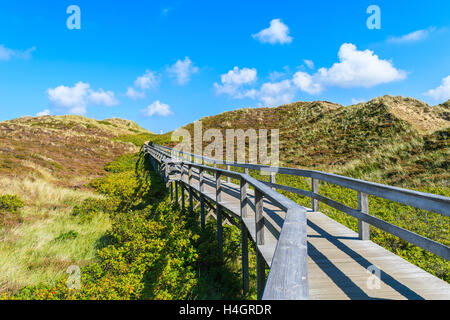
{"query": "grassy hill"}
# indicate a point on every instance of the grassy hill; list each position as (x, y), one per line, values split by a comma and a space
(47, 162)
(387, 131)
(391, 140)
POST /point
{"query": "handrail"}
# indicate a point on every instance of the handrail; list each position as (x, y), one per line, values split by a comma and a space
(293, 233)
(421, 200)
(290, 256)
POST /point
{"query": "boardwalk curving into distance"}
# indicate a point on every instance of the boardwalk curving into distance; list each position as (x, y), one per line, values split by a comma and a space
(309, 255)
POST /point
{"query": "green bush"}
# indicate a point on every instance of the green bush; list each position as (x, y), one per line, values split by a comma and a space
(10, 203)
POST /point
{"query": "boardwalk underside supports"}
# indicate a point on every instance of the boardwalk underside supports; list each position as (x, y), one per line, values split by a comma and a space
(244, 256)
(219, 213)
(260, 274)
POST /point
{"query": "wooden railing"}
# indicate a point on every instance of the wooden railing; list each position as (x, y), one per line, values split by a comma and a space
(288, 276)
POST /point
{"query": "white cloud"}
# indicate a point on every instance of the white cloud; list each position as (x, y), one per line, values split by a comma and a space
(157, 108)
(274, 94)
(412, 37)
(148, 80)
(7, 54)
(355, 69)
(182, 70)
(45, 112)
(306, 83)
(442, 92)
(100, 97)
(233, 80)
(278, 32)
(76, 99)
(134, 94)
(309, 63)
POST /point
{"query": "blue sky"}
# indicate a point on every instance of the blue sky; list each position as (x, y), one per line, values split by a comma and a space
(166, 63)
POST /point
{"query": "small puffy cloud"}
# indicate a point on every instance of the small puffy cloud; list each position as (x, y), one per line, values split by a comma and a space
(274, 94)
(233, 80)
(45, 112)
(442, 92)
(134, 94)
(7, 54)
(309, 63)
(147, 81)
(157, 108)
(355, 68)
(278, 32)
(305, 82)
(76, 99)
(182, 70)
(412, 37)
(100, 97)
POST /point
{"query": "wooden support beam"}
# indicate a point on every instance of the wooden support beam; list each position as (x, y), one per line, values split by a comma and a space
(315, 189)
(183, 206)
(228, 178)
(171, 191)
(219, 212)
(176, 192)
(244, 198)
(244, 258)
(259, 218)
(363, 206)
(202, 198)
(260, 274)
(191, 200)
(273, 178)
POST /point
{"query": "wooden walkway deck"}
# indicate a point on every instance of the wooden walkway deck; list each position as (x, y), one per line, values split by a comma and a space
(338, 261)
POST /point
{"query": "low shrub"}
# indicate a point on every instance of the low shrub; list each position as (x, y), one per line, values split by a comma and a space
(10, 203)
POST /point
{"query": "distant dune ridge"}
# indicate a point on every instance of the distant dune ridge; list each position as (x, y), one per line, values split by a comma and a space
(71, 148)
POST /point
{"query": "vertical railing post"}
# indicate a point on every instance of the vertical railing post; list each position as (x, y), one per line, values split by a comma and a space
(182, 187)
(202, 199)
(315, 190)
(228, 177)
(191, 200)
(363, 206)
(219, 212)
(176, 192)
(244, 236)
(259, 223)
(171, 192)
(273, 178)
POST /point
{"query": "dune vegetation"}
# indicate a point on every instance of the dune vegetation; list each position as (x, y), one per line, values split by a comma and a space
(77, 191)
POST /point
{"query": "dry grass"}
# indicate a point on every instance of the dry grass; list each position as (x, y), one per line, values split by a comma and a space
(29, 253)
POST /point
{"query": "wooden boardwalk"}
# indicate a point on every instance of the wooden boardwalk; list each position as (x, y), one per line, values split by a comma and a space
(338, 261)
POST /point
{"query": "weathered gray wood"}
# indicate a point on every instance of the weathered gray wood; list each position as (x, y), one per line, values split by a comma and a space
(288, 275)
(171, 192)
(363, 206)
(259, 218)
(292, 269)
(244, 198)
(273, 178)
(202, 198)
(191, 201)
(260, 275)
(315, 190)
(244, 258)
(426, 201)
(176, 192)
(219, 212)
(228, 177)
